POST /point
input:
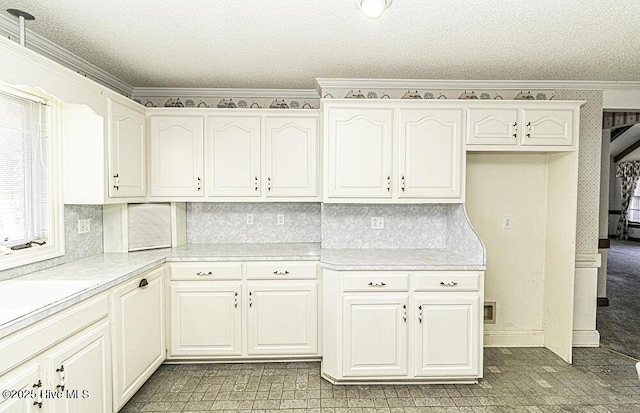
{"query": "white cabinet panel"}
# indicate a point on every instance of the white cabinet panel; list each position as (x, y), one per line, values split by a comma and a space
(359, 152)
(139, 343)
(127, 167)
(291, 156)
(27, 379)
(282, 318)
(431, 158)
(82, 364)
(206, 319)
(547, 127)
(492, 126)
(447, 340)
(233, 156)
(374, 335)
(176, 156)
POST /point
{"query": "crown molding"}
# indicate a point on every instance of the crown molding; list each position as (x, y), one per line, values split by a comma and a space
(48, 49)
(404, 84)
(144, 92)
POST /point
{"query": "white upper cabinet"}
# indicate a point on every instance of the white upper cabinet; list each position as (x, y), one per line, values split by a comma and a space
(104, 153)
(393, 151)
(291, 149)
(522, 125)
(492, 126)
(358, 152)
(430, 157)
(127, 167)
(233, 156)
(547, 127)
(177, 163)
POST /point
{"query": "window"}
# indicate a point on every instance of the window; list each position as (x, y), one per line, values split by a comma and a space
(29, 213)
(633, 213)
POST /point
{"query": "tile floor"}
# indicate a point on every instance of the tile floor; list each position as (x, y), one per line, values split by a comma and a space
(527, 380)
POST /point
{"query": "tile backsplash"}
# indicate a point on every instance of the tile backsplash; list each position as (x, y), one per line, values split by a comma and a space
(405, 226)
(227, 222)
(76, 245)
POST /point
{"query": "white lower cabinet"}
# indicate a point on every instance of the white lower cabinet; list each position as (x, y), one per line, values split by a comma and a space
(447, 335)
(282, 318)
(398, 326)
(80, 369)
(375, 335)
(25, 380)
(206, 319)
(137, 314)
(256, 309)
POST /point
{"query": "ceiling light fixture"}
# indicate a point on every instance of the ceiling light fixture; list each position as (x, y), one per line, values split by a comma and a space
(373, 9)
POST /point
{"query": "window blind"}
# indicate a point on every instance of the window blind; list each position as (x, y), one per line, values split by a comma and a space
(24, 169)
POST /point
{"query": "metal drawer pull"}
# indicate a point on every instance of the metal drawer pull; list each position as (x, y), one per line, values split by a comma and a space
(235, 300)
(420, 313)
(377, 284)
(202, 273)
(404, 312)
(528, 129)
(449, 284)
(38, 401)
(63, 380)
(143, 283)
(277, 272)
(515, 129)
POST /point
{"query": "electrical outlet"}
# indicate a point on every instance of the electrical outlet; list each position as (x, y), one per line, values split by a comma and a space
(506, 222)
(377, 222)
(84, 226)
(280, 219)
(249, 219)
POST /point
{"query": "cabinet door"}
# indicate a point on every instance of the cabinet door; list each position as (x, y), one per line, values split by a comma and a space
(359, 153)
(176, 155)
(447, 340)
(26, 380)
(492, 126)
(431, 156)
(80, 367)
(291, 156)
(374, 335)
(282, 318)
(233, 156)
(126, 152)
(544, 127)
(138, 340)
(206, 319)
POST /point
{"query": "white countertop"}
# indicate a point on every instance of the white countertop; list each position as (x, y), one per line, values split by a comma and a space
(30, 298)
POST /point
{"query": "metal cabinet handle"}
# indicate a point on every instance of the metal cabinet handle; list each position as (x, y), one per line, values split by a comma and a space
(204, 274)
(235, 300)
(250, 299)
(377, 284)
(199, 184)
(404, 313)
(420, 313)
(449, 284)
(38, 401)
(255, 179)
(143, 283)
(388, 183)
(116, 183)
(403, 183)
(528, 129)
(515, 129)
(278, 272)
(63, 380)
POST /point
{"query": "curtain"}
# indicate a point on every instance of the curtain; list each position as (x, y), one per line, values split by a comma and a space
(630, 173)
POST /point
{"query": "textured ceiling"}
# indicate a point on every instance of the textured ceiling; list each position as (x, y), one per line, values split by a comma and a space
(287, 43)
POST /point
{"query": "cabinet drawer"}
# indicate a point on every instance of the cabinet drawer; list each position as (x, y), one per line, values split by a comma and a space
(282, 270)
(448, 281)
(377, 281)
(205, 271)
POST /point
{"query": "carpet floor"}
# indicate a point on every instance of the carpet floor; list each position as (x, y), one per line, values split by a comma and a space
(619, 323)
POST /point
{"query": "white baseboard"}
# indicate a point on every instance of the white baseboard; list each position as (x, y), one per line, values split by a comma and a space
(586, 338)
(524, 338)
